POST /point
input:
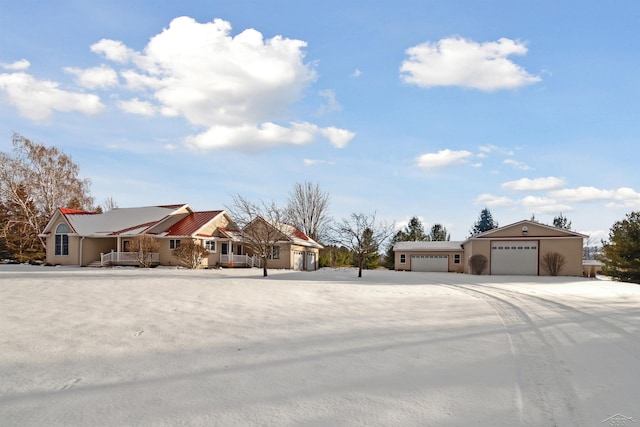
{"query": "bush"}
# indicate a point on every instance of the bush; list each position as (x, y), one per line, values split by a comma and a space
(478, 263)
(143, 246)
(190, 254)
(553, 262)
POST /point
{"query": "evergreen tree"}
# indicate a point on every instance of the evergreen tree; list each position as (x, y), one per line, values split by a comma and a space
(413, 232)
(621, 255)
(562, 221)
(484, 223)
(439, 233)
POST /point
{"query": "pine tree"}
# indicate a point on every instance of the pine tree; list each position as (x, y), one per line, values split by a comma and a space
(484, 223)
(621, 255)
(413, 232)
(439, 233)
(562, 221)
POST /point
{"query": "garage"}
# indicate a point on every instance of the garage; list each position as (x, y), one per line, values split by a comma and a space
(436, 263)
(514, 257)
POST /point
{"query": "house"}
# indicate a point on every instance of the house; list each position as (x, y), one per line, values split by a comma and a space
(82, 238)
(289, 247)
(515, 249)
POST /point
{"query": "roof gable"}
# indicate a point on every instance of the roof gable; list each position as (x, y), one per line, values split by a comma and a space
(129, 221)
(527, 228)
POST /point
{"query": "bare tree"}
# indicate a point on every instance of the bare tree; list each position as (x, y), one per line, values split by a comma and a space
(190, 254)
(144, 246)
(109, 204)
(362, 235)
(262, 225)
(553, 262)
(35, 181)
(307, 209)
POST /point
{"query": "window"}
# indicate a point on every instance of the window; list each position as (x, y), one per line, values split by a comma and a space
(403, 258)
(456, 258)
(62, 240)
(275, 252)
(210, 245)
(174, 243)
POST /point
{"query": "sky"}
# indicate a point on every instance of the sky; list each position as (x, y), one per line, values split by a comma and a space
(404, 109)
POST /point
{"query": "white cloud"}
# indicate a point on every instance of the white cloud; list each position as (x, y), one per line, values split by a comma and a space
(37, 99)
(313, 162)
(443, 158)
(332, 103)
(136, 106)
(537, 184)
(339, 138)
(456, 61)
(96, 77)
(516, 164)
(356, 73)
(236, 87)
(20, 65)
(114, 50)
(491, 201)
(265, 135)
(622, 197)
(541, 205)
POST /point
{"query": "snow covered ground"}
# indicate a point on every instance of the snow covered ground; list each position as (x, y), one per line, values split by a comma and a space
(168, 347)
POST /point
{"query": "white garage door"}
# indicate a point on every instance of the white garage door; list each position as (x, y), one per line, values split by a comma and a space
(298, 260)
(514, 257)
(430, 263)
(311, 261)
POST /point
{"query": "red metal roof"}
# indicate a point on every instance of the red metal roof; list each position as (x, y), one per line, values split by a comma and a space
(190, 224)
(67, 211)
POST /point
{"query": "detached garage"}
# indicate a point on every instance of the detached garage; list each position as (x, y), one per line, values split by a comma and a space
(516, 249)
(429, 256)
(519, 249)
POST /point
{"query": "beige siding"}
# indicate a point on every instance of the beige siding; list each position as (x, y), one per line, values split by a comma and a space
(571, 249)
(475, 247)
(92, 248)
(406, 266)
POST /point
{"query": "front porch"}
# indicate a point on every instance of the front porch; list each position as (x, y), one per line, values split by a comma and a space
(126, 258)
(231, 260)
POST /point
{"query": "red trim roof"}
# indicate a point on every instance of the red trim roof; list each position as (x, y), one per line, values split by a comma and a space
(299, 234)
(67, 211)
(193, 222)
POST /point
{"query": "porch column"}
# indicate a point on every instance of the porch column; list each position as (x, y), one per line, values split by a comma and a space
(118, 249)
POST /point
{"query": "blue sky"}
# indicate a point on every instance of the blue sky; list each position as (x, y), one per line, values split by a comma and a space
(403, 108)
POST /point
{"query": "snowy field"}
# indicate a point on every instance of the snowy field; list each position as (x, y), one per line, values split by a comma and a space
(169, 347)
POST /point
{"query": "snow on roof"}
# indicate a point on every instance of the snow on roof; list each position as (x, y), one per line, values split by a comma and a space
(428, 246)
(118, 221)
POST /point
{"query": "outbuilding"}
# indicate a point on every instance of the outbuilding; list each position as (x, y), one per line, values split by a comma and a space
(521, 248)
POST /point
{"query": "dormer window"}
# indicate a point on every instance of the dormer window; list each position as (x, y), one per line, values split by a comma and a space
(62, 240)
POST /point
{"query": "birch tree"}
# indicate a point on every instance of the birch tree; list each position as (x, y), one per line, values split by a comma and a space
(34, 182)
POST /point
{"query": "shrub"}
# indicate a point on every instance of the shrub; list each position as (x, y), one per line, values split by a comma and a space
(143, 246)
(190, 254)
(478, 263)
(553, 262)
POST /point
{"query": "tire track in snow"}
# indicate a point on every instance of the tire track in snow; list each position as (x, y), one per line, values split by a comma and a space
(544, 395)
(617, 335)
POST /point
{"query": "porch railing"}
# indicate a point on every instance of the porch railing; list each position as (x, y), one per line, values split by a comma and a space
(240, 260)
(126, 258)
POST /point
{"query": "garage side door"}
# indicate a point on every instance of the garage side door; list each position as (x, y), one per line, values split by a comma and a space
(430, 263)
(514, 257)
